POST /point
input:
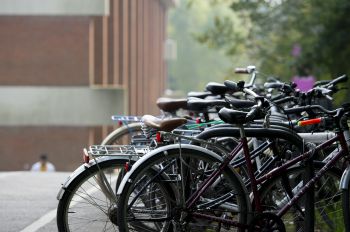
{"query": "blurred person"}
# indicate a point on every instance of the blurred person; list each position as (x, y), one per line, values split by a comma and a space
(304, 80)
(43, 165)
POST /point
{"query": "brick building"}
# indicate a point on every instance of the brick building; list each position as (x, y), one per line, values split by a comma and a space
(67, 65)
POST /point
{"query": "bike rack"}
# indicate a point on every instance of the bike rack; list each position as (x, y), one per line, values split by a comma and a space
(117, 150)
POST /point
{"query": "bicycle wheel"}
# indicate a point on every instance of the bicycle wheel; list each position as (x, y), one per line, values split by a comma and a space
(328, 208)
(87, 204)
(156, 191)
(346, 207)
(123, 134)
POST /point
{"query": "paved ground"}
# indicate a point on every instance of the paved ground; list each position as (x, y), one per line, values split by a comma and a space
(28, 201)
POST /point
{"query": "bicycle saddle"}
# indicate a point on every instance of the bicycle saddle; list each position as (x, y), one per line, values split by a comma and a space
(238, 103)
(168, 124)
(217, 88)
(197, 104)
(171, 105)
(199, 94)
(233, 116)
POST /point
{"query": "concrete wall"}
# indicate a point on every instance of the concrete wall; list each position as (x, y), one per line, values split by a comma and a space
(53, 106)
(67, 65)
(54, 7)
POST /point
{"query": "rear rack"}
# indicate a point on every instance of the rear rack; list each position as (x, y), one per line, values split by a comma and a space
(124, 118)
(116, 150)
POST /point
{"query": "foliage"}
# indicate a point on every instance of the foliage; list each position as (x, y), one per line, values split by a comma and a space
(196, 65)
(320, 28)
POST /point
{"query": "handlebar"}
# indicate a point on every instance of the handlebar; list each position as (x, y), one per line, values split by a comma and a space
(256, 109)
(320, 90)
(322, 82)
(273, 85)
(289, 88)
(284, 100)
(248, 70)
(250, 92)
(329, 83)
(310, 107)
(342, 78)
(241, 71)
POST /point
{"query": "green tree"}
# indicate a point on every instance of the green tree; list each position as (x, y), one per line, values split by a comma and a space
(196, 64)
(320, 28)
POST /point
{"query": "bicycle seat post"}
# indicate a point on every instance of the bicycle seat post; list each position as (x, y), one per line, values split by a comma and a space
(241, 130)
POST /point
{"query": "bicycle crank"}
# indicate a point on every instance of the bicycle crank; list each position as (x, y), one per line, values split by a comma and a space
(266, 222)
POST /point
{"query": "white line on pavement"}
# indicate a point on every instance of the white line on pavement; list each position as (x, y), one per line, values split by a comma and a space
(47, 218)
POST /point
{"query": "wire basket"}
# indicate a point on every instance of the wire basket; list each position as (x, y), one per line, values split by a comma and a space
(117, 150)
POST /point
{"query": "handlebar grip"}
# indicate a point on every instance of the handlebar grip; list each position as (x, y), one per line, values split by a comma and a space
(323, 91)
(343, 78)
(322, 82)
(241, 71)
(310, 122)
(295, 110)
(274, 85)
(284, 100)
(231, 85)
(309, 107)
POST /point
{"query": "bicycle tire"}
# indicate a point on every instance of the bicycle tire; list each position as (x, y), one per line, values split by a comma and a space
(346, 208)
(83, 201)
(122, 135)
(143, 177)
(327, 217)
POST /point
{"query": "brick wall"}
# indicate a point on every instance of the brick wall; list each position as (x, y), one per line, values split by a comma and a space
(44, 50)
(121, 51)
(21, 146)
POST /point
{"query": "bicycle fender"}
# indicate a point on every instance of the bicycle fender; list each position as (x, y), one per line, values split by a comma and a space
(345, 179)
(272, 132)
(84, 167)
(129, 127)
(163, 151)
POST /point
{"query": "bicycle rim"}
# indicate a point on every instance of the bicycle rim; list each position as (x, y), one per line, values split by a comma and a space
(328, 208)
(171, 179)
(85, 205)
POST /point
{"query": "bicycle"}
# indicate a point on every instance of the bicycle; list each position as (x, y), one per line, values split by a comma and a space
(92, 170)
(179, 209)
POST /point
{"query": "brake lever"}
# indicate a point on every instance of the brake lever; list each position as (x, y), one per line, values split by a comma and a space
(329, 97)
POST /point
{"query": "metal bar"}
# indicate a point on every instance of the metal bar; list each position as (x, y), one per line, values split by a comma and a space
(197, 194)
(308, 185)
(291, 162)
(218, 219)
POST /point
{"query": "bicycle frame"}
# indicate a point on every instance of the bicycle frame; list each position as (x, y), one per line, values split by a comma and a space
(254, 181)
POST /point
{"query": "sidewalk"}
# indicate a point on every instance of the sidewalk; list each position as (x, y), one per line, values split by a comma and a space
(26, 197)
